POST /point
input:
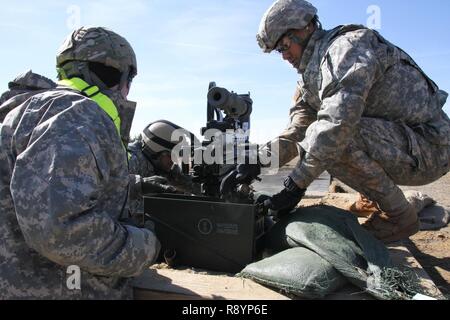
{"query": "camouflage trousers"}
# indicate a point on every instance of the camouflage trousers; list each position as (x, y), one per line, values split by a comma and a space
(383, 155)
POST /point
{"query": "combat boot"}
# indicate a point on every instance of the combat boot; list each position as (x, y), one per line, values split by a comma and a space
(393, 226)
(363, 207)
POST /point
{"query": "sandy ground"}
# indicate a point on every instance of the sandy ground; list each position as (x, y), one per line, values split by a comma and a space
(430, 248)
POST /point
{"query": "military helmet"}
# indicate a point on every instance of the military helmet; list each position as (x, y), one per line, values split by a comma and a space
(157, 137)
(96, 45)
(282, 16)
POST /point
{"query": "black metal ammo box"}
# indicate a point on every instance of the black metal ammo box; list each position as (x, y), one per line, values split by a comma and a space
(206, 233)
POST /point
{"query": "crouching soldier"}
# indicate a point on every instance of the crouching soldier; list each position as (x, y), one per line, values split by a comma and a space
(364, 111)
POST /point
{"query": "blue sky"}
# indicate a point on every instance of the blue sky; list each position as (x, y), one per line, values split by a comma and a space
(182, 45)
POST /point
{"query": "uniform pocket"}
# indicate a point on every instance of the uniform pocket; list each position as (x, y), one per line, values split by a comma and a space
(413, 147)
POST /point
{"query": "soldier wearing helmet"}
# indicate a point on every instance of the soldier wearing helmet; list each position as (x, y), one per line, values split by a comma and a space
(64, 180)
(151, 157)
(152, 150)
(156, 145)
(363, 110)
(106, 65)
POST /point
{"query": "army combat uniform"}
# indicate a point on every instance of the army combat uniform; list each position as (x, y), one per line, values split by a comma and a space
(368, 114)
(21, 89)
(63, 188)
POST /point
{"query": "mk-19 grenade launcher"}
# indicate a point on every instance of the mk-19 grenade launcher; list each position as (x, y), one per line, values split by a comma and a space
(225, 111)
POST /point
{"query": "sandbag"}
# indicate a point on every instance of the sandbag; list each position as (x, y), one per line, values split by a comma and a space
(337, 237)
(297, 271)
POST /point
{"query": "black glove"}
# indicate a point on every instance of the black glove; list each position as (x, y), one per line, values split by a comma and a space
(157, 184)
(287, 199)
(243, 174)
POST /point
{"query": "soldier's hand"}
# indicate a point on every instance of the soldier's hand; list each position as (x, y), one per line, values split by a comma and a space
(287, 199)
(157, 184)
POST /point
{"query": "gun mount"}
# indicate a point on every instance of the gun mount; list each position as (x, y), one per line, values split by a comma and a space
(210, 232)
(229, 114)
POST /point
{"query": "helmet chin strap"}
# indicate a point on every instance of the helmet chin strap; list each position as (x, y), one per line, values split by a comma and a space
(153, 158)
(81, 70)
(91, 77)
(125, 79)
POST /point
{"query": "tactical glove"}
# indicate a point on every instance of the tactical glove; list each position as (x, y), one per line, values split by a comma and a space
(156, 184)
(287, 199)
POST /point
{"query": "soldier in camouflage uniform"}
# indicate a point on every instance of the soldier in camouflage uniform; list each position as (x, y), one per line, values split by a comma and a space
(64, 179)
(151, 157)
(21, 89)
(364, 111)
